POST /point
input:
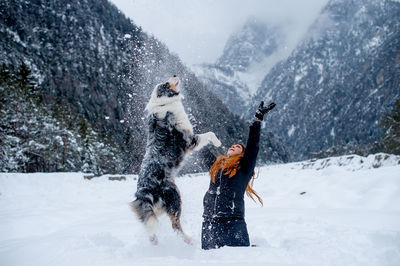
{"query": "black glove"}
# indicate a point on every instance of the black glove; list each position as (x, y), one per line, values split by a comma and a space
(262, 110)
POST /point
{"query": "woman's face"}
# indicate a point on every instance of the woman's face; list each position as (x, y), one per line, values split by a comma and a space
(235, 149)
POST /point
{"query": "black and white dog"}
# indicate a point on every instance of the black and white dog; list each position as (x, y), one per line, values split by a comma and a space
(170, 138)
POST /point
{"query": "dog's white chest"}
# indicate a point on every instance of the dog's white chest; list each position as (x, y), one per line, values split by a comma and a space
(182, 120)
(180, 117)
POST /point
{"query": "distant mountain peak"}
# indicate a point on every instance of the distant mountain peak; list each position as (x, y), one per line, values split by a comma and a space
(247, 57)
(252, 43)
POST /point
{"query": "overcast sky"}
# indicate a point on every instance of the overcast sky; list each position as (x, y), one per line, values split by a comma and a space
(197, 30)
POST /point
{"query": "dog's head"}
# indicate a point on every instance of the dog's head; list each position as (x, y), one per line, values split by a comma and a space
(164, 94)
(169, 88)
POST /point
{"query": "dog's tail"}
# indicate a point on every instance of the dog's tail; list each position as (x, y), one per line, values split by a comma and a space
(145, 212)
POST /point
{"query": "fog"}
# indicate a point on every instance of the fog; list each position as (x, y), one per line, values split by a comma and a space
(197, 30)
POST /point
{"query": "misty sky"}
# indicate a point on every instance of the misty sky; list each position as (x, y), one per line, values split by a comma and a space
(197, 30)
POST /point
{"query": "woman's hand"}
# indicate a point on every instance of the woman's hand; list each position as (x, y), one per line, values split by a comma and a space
(262, 110)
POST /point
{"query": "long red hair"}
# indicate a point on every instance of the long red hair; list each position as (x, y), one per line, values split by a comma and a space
(229, 166)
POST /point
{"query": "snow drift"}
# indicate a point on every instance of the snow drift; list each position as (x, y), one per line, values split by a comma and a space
(347, 213)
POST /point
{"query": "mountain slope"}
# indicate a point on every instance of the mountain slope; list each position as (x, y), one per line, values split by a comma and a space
(335, 86)
(89, 54)
(47, 137)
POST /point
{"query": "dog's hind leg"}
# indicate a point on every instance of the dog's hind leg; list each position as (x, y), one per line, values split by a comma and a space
(176, 225)
(144, 210)
(172, 205)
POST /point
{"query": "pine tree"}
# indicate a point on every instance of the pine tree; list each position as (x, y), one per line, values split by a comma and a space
(391, 124)
(46, 137)
(5, 74)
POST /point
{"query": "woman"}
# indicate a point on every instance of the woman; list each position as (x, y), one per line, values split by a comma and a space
(231, 176)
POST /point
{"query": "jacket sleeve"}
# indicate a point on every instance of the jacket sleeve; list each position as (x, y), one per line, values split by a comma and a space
(248, 161)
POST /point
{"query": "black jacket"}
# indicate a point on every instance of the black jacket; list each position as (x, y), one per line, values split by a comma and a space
(225, 199)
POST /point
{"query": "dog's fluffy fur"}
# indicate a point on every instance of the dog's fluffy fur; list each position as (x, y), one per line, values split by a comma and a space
(170, 138)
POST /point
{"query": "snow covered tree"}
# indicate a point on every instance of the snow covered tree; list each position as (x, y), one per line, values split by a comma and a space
(391, 124)
(43, 137)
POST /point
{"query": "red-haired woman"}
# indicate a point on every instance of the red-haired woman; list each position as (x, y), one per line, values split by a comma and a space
(231, 176)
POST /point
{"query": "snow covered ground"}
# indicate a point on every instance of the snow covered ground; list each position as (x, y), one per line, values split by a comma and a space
(348, 215)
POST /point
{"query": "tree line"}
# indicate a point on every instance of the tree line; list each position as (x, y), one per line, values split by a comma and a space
(41, 133)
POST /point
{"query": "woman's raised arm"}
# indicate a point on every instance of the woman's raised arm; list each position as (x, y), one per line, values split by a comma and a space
(249, 159)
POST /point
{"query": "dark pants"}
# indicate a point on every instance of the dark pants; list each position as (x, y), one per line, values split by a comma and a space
(215, 234)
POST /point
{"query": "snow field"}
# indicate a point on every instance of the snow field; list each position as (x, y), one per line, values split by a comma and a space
(349, 215)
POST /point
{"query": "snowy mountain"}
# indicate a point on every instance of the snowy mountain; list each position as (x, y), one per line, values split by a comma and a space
(88, 54)
(47, 135)
(334, 87)
(247, 57)
(341, 214)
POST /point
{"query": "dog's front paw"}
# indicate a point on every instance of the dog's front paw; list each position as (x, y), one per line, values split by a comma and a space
(214, 140)
(217, 142)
